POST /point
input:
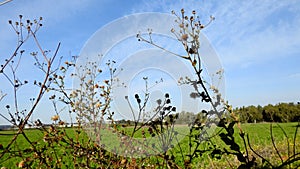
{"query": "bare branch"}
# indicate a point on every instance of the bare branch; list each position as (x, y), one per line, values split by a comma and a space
(273, 142)
(4, 2)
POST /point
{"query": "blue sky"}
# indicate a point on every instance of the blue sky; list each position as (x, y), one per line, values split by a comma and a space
(257, 41)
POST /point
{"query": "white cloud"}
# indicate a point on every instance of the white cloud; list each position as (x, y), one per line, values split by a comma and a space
(262, 46)
(294, 76)
(244, 31)
(249, 32)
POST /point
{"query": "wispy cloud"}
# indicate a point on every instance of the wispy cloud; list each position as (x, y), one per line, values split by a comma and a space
(294, 76)
(252, 39)
(244, 31)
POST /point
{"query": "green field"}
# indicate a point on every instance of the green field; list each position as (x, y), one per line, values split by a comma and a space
(259, 134)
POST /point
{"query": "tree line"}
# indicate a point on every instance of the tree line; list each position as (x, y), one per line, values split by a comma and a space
(281, 112)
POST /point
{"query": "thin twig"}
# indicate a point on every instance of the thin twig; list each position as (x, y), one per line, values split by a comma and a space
(295, 136)
(245, 145)
(4, 2)
(2, 96)
(290, 160)
(164, 49)
(273, 142)
(264, 159)
(287, 139)
(11, 57)
(38, 99)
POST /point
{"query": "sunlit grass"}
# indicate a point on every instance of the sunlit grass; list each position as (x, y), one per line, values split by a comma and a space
(259, 134)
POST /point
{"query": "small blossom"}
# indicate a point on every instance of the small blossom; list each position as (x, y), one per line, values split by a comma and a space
(182, 11)
(77, 104)
(98, 105)
(74, 94)
(229, 108)
(21, 164)
(61, 122)
(106, 81)
(45, 139)
(194, 63)
(185, 37)
(123, 161)
(192, 18)
(52, 97)
(167, 95)
(90, 81)
(55, 118)
(212, 87)
(36, 155)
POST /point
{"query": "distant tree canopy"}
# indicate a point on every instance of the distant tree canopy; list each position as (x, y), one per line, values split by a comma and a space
(186, 117)
(282, 112)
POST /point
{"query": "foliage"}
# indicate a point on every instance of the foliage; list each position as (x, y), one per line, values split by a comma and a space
(282, 112)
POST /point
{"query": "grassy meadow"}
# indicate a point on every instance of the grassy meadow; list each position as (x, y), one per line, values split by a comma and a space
(259, 134)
